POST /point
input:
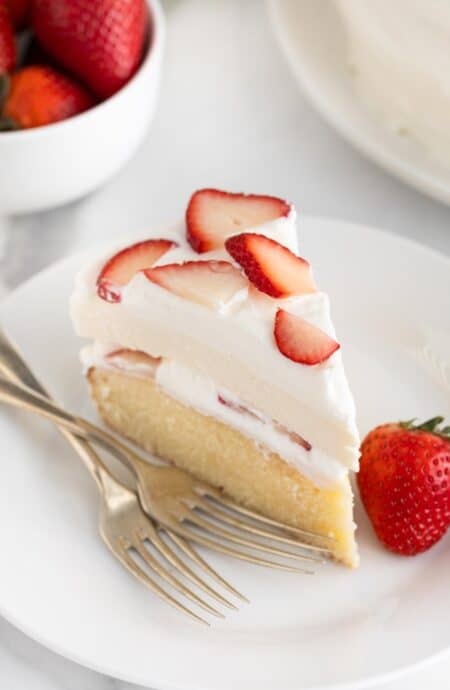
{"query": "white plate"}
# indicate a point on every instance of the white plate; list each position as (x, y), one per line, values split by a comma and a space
(311, 35)
(340, 628)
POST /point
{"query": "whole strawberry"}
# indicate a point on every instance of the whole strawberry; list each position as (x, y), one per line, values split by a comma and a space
(39, 95)
(7, 40)
(99, 41)
(19, 11)
(404, 482)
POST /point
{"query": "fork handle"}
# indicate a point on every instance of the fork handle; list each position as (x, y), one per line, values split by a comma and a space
(14, 368)
(77, 429)
(18, 396)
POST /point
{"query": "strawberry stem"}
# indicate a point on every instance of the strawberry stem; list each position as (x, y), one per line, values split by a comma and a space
(431, 426)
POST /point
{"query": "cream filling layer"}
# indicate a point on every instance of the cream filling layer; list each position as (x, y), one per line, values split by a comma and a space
(203, 395)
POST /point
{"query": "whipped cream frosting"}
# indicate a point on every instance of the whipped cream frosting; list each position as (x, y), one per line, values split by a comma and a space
(400, 59)
(231, 350)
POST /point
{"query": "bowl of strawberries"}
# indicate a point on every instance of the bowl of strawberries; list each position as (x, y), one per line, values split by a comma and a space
(79, 81)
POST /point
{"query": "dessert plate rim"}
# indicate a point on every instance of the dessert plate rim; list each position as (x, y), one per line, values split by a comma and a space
(338, 105)
(14, 310)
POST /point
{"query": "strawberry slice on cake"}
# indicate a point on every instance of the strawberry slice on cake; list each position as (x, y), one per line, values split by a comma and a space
(121, 267)
(213, 215)
(271, 267)
(300, 341)
(213, 348)
(215, 284)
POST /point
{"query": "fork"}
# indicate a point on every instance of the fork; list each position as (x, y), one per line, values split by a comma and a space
(123, 525)
(175, 498)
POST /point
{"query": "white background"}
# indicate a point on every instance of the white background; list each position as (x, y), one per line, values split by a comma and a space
(230, 116)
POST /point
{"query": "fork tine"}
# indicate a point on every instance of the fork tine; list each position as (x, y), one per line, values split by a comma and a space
(226, 534)
(142, 576)
(189, 550)
(172, 557)
(246, 526)
(236, 553)
(217, 496)
(155, 565)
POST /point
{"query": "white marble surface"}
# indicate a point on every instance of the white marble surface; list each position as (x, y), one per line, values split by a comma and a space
(230, 116)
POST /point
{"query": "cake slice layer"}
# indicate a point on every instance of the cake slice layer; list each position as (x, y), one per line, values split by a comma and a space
(225, 458)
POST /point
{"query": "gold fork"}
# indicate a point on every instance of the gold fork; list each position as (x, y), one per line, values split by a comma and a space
(175, 498)
(170, 495)
(123, 525)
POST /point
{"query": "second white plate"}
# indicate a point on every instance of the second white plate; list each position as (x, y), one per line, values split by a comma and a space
(338, 629)
(312, 38)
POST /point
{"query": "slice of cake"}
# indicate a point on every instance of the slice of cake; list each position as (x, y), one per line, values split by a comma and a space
(214, 349)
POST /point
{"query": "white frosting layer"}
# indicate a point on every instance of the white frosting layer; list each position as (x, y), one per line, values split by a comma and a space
(202, 394)
(234, 348)
(399, 51)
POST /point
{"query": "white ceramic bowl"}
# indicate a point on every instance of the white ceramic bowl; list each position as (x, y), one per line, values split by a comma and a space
(50, 166)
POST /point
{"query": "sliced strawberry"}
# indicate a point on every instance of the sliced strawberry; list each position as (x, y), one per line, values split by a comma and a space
(301, 341)
(242, 409)
(238, 407)
(134, 360)
(120, 269)
(295, 438)
(213, 215)
(211, 283)
(271, 267)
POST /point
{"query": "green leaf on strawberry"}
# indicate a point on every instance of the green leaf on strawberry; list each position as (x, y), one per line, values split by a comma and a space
(431, 425)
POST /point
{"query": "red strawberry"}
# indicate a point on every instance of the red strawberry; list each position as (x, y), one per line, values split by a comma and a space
(19, 11)
(271, 267)
(212, 216)
(120, 269)
(242, 409)
(7, 41)
(213, 284)
(294, 437)
(36, 55)
(134, 360)
(39, 95)
(100, 41)
(238, 407)
(404, 482)
(301, 341)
